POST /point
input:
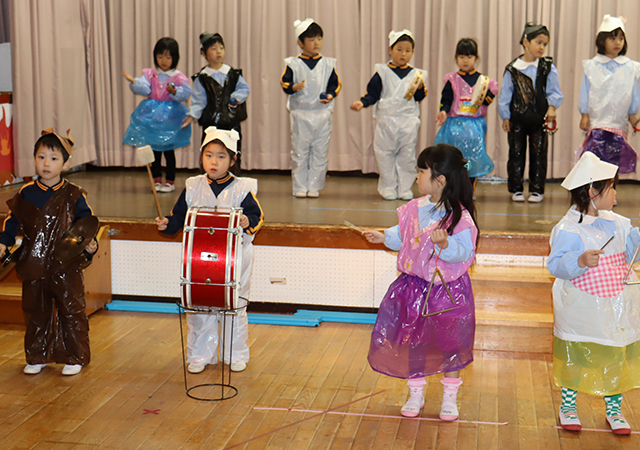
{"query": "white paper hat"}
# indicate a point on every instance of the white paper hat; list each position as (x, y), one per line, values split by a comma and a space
(302, 25)
(395, 35)
(589, 169)
(610, 23)
(229, 138)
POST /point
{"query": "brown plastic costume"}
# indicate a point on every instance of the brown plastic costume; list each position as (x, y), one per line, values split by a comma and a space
(53, 299)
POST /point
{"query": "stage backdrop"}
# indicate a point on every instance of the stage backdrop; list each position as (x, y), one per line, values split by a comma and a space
(69, 56)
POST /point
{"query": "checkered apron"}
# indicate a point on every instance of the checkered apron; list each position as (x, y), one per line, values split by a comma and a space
(604, 280)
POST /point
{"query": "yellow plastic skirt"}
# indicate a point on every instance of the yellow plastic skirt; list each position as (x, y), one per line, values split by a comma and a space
(595, 368)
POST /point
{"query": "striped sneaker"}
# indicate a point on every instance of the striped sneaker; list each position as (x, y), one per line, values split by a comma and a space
(617, 422)
(569, 420)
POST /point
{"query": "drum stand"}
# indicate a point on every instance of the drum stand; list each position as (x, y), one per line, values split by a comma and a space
(227, 391)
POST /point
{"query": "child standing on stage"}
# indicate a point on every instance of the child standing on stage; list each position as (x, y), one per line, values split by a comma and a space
(219, 187)
(609, 97)
(157, 120)
(464, 124)
(415, 336)
(529, 97)
(596, 317)
(312, 83)
(53, 298)
(397, 114)
(219, 92)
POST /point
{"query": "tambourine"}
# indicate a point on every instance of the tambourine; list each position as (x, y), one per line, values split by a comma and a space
(480, 91)
(413, 87)
(550, 127)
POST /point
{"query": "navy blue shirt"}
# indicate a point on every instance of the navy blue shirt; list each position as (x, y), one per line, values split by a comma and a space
(374, 88)
(38, 194)
(333, 86)
(250, 207)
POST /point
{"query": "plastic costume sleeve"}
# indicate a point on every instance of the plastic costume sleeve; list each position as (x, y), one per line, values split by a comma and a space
(311, 124)
(404, 343)
(597, 317)
(202, 340)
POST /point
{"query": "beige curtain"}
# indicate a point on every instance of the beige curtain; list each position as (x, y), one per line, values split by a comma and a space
(108, 36)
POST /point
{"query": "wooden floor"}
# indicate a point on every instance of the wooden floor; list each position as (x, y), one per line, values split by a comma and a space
(132, 396)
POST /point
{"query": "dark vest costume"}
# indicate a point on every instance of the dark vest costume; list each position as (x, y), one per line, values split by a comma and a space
(217, 112)
(528, 104)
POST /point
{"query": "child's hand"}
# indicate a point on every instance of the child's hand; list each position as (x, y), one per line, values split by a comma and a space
(373, 236)
(186, 122)
(634, 119)
(506, 125)
(171, 90)
(162, 223)
(440, 238)
(551, 114)
(129, 77)
(326, 100)
(244, 221)
(590, 258)
(585, 123)
(357, 105)
(3, 248)
(299, 86)
(442, 116)
(92, 247)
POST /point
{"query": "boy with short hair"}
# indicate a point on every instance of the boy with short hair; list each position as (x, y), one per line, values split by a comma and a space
(395, 90)
(312, 83)
(43, 211)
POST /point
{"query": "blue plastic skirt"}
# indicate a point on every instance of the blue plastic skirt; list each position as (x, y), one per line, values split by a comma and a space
(467, 133)
(157, 123)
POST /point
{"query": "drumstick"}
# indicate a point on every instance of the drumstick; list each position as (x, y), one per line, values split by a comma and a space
(607, 243)
(144, 156)
(353, 227)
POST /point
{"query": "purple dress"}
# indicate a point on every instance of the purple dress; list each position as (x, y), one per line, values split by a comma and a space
(404, 344)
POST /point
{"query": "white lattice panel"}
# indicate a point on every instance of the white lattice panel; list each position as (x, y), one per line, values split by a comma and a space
(320, 276)
(385, 273)
(146, 268)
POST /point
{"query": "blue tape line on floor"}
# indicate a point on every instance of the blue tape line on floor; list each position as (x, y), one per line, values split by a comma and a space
(337, 316)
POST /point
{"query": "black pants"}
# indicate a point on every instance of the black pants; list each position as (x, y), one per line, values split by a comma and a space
(170, 160)
(538, 145)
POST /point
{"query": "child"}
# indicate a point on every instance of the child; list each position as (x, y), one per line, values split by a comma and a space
(464, 123)
(52, 291)
(529, 96)
(157, 120)
(219, 92)
(219, 187)
(596, 319)
(398, 119)
(609, 97)
(438, 231)
(312, 83)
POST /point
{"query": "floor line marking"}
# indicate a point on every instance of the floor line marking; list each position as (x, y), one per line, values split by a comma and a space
(302, 420)
(431, 419)
(599, 430)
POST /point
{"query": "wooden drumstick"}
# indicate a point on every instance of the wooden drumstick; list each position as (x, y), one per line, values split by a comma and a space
(354, 227)
(144, 157)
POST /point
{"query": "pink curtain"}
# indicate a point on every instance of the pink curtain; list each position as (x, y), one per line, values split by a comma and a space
(67, 71)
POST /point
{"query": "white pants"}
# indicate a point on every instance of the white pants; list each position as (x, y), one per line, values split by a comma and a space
(394, 146)
(203, 336)
(310, 134)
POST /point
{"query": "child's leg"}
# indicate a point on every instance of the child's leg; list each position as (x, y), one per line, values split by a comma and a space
(72, 343)
(406, 156)
(156, 166)
(569, 411)
(517, 139)
(170, 159)
(451, 383)
(39, 337)
(618, 423)
(538, 145)
(384, 149)
(202, 339)
(301, 136)
(239, 356)
(319, 161)
(416, 397)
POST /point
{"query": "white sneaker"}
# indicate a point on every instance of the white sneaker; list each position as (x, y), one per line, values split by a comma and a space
(535, 198)
(33, 369)
(517, 197)
(168, 187)
(407, 196)
(618, 424)
(413, 406)
(313, 194)
(390, 197)
(71, 369)
(158, 187)
(300, 194)
(570, 421)
(449, 409)
(196, 366)
(238, 366)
